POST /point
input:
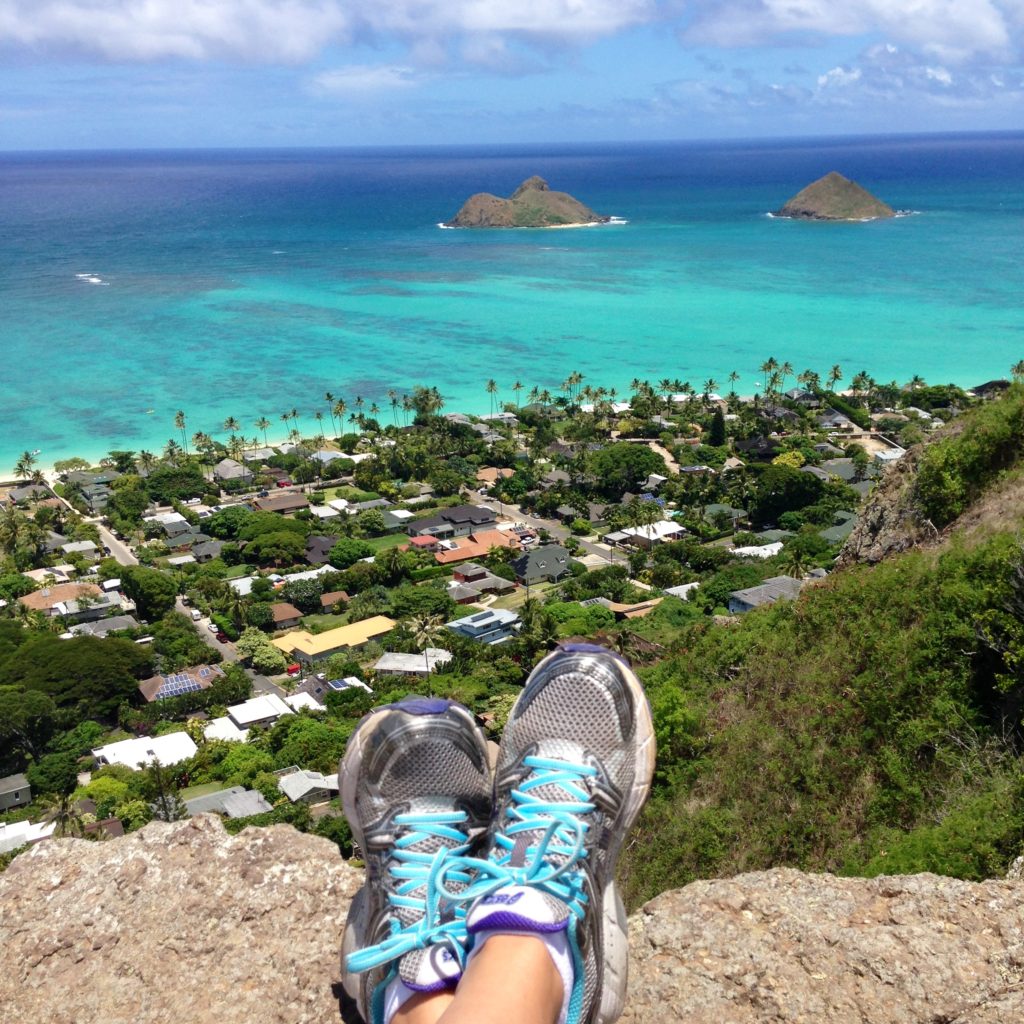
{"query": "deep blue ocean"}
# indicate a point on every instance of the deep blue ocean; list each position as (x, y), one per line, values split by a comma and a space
(249, 283)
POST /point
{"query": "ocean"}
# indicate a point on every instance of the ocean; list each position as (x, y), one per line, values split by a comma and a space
(250, 283)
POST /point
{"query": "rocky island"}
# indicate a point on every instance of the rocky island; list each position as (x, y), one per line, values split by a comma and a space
(532, 205)
(834, 197)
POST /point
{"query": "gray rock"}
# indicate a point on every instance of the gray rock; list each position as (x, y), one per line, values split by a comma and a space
(183, 924)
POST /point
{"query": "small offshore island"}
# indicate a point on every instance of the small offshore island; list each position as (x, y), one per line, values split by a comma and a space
(532, 205)
(834, 197)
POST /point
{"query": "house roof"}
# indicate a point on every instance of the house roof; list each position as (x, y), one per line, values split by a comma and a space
(258, 709)
(298, 701)
(655, 531)
(490, 617)
(287, 502)
(353, 635)
(12, 783)
(546, 560)
(460, 515)
(490, 474)
(318, 548)
(169, 749)
(102, 627)
(283, 611)
(332, 597)
(296, 785)
(225, 729)
(772, 590)
(50, 597)
(413, 664)
(235, 802)
(176, 684)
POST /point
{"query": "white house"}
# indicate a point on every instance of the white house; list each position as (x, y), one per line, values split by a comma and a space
(169, 749)
(262, 710)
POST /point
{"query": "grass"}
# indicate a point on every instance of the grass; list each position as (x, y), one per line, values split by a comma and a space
(349, 494)
(389, 540)
(517, 598)
(205, 789)
(235, 572)
(322, 623)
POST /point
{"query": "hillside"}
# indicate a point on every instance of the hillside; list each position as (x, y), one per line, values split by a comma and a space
(532, 205)
(834, 197)
(874, 725)
(86, 938)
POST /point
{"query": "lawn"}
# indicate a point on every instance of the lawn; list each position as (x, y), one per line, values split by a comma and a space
(349, 494)
(203, 790)
(389, 540)
(238, 571)
(518, 597)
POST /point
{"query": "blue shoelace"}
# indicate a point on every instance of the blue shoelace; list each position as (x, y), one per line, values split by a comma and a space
(417, 870)
(549, 864)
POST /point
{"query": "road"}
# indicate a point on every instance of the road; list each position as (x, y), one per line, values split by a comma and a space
(118, 549)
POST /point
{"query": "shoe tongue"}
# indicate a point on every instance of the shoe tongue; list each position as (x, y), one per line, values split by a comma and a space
(518, 908)
(431, 969)
(429, 845)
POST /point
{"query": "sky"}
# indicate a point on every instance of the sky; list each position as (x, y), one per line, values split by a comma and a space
(130, 74)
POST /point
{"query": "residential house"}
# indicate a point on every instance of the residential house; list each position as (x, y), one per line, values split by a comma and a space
(84, 549)
(285, 615)
(225, 729)
(776, 588)
(319, 686)
(832, 419)
(888, 456)
(476, 545)
(170, 749)
(550, 562)
(263, 710)
(397, 519)
(104, 627)
(759, 447)
(172, 524)
(828, 449)
(24, 833)
(303, 702)
(330, 600)
(14, 792)
(716, 512)
(318, 549)
(646, 536)
(258, 455)
(759, 550)
(324, 512)
(308, 787)
(808, 399)
(453, 522)
(493, 626)
(285, 503)
(363, 506)
(207, 550)
(412, 664)
(234, 802)
(841, 528)
(307, 648)
(176, 684)
(94, 486)
(228, 471)
(683, 590)
(29, 493)
(817, 472)
(554, 478)
(492, 474)
(53, 601)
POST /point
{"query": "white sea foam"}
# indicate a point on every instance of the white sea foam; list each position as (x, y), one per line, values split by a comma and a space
(617, 220)
(446, 227)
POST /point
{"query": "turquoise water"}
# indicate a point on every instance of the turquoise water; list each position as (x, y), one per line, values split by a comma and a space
(247, 284)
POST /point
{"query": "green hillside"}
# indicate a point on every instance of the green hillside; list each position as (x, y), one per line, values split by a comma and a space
(874, 725)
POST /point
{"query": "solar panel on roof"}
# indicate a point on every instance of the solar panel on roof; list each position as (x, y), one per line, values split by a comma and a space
(204, 672)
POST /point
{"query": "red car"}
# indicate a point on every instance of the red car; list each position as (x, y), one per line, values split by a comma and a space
(222, 637)
(294, 670)
(284, 483)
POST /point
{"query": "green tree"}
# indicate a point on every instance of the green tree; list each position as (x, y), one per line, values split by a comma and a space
(716, 435)
(27, 721)
(53, 775)
(153, 591)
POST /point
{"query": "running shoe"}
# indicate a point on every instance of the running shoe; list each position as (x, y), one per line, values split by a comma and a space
(415, 786)
(575, 767)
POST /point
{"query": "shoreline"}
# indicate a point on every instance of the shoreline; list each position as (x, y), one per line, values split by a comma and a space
(94, 450)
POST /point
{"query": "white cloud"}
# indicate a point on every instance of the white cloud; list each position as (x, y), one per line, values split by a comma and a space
(274, 31)
(363, 79)
(839, 77)
(952, 30)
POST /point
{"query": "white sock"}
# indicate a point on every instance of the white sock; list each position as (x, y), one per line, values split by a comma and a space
(557, 945)
(395, 997)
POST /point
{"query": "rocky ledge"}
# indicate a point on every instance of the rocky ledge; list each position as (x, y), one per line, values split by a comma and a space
(532, 205)
(834, 197)
(185, 923)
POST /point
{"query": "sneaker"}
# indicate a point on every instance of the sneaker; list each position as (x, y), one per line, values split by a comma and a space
(415, 786)
(575, 768)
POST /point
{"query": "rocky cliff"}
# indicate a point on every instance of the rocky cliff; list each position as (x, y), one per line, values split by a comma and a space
(532, 205)
(184, 923)
(834, 197)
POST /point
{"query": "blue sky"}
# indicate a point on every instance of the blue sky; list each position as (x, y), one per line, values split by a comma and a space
(180, 73)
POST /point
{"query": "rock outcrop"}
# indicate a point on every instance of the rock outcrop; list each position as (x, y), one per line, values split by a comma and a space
(532, 205)
(185, 923)
(834, 197)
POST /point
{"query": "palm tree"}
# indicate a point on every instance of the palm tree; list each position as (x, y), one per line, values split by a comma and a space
(915, 383)
(733, 377)
(426, 629)
(516, 388)
(25, 464)
(339, 409)
(146, 461)
(231, 425)
(835, 375)
(172, 450)
(12, 524)
(1017, 370)
(709, 385)
(262, 424)
(768, 366)
(62, 811)
(786, 369)
(319, 417)
(393, 399)
(491, 388)
(179, 422)
(329, 399)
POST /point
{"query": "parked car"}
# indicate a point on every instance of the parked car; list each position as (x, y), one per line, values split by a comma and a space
(213, 628)
(294, 670)
(222, 637)
(263, 494)
(196, 614)
(284, 483)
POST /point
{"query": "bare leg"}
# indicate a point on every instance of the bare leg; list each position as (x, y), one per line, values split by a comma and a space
(423, 1008)
(512, 979)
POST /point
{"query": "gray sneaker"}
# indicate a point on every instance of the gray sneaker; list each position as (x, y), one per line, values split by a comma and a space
(575, 768)
(416, 788)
